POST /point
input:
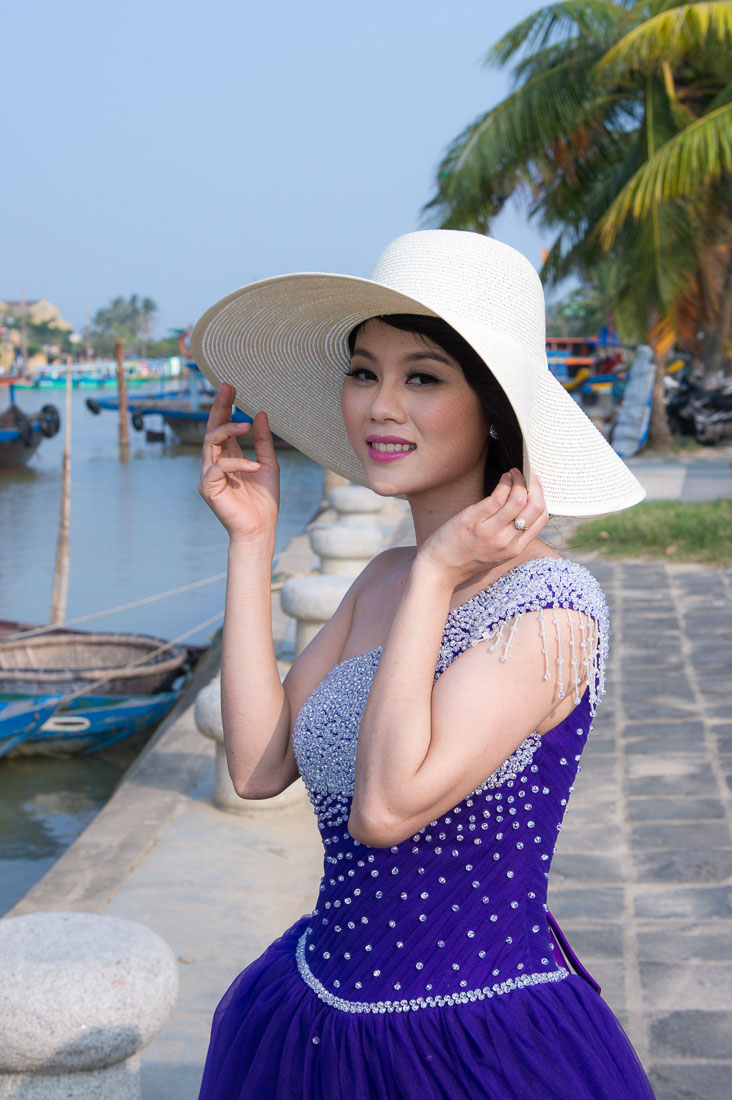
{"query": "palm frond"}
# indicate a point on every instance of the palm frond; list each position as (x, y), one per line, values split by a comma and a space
(571, 18)
(683, 166)
(669, 36)
(493, 157)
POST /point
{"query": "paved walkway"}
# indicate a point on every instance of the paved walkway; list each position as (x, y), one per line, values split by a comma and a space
(699, 475)
(642, 880)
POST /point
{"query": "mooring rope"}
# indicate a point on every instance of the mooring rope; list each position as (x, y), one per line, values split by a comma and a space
(35, 630)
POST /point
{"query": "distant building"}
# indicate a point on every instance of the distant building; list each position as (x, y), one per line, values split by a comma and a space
(39, 311)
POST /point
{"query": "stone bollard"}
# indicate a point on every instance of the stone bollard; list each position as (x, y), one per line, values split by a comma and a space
(345, 548)
(332, 480)
(207, 713)
(312, 601)
(80, 995)
(355, 503)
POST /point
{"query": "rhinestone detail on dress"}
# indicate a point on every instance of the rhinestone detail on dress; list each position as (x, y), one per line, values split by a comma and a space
(414, 1003)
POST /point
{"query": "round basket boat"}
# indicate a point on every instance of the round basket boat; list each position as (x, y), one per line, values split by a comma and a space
(62, 662)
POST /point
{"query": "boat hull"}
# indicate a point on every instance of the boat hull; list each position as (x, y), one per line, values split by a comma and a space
(45, 725)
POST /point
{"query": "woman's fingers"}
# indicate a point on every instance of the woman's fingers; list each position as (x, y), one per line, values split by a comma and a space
(220, 412)
(263, 442)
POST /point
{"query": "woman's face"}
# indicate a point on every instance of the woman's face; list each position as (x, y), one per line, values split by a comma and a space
(411, 417)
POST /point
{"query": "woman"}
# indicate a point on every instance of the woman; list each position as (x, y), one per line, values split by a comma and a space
(438, 719)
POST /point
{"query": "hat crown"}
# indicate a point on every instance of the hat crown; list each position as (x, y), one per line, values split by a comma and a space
(467, 275)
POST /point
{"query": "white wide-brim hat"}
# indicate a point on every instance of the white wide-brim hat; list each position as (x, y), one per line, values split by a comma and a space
(283, 344)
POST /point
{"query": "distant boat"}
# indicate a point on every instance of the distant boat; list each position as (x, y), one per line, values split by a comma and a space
(185, 413)
(21, 433)
(41, 725)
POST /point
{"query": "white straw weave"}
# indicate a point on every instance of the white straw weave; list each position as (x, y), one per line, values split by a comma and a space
(282, 343)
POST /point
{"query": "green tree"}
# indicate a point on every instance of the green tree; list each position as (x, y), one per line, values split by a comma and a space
(126, 319)
(618, 133)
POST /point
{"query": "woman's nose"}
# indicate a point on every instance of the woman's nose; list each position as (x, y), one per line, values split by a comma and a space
(386, 403)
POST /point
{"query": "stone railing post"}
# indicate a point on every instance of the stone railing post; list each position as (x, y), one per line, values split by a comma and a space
(356, 504)
(207, 713)
(80, 995)
(345, 548)
(312, 601)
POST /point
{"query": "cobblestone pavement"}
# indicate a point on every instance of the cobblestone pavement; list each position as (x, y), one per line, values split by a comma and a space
(642, 879)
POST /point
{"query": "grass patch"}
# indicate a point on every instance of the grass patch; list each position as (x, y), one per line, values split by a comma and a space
(667, 529)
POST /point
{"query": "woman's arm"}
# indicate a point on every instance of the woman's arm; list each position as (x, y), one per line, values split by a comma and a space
(423, 747)
(257, 710)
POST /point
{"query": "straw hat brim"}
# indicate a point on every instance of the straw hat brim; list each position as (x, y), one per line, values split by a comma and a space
(283, 344)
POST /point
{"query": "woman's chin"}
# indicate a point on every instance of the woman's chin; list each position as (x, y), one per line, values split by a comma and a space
(383, 485)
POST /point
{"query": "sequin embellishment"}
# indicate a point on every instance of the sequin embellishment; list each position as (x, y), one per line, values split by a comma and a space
(414, 1003)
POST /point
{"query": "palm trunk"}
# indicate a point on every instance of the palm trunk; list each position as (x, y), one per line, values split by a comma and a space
(714, 351)
(660, 438)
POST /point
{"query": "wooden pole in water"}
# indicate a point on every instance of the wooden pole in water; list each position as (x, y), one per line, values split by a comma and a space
(63, 544)
(124, 427)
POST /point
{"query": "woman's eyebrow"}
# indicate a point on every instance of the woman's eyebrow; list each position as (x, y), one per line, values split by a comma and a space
(412, 357)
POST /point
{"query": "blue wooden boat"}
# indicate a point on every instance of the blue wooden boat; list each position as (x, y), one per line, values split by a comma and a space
(42, 725)
(21, 433)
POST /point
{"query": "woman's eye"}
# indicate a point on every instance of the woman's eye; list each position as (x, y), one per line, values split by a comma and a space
(421, 378)
(361, 374)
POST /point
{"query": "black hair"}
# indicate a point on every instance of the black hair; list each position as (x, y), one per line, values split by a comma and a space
(505, 446)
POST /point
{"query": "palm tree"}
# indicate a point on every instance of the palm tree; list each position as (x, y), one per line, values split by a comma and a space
(618, 133)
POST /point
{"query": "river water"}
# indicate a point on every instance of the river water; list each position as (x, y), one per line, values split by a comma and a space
(137, 528)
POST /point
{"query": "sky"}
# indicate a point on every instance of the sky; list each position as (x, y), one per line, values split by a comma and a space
(180, 150)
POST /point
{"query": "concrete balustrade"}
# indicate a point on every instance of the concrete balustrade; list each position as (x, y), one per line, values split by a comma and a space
(345, 548)
(356, 504)
(207, 713)
(80, 996)
(312, 601)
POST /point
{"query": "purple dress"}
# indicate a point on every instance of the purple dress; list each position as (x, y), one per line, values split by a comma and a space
(428, 971)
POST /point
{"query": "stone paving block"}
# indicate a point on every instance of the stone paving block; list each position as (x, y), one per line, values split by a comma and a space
(580, 814)
(724, 741)
(670, 987)
(697, 865)
(668, 738)
(712, 833)
(691, 1081)
(670, 776)
(603, 903)
(573, 867)
(656, 707)
(694, 1033)
(674, 809)
(601, 744)
(611, 978)
(684, 902)
(595, 941)
(590, 839)
(674, 941)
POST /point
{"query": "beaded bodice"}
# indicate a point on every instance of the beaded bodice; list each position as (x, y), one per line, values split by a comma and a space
(457, 912)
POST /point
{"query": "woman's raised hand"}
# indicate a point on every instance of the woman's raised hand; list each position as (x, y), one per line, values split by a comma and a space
(243, 494)
(485, 535)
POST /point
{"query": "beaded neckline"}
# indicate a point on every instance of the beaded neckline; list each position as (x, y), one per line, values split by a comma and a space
(461, 607)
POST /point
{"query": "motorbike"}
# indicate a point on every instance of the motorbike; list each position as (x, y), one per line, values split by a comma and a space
(692, 410)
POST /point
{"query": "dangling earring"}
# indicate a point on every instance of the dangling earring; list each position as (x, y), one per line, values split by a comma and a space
(492, 432)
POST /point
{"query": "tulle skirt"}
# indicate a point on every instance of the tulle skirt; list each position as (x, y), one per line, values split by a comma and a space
(273, 1039)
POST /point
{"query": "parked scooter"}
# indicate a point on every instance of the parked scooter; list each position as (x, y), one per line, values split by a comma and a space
(695, 411)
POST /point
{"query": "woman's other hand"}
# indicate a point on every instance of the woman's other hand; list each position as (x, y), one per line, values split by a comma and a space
(484, 535)
(243, 494)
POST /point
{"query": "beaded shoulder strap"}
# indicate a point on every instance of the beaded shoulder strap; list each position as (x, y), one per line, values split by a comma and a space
(544, 585)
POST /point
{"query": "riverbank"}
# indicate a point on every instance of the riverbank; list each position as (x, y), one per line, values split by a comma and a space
(640, 882)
